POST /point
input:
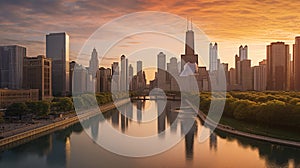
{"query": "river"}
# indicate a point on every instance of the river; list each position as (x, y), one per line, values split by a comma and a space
(72, 147)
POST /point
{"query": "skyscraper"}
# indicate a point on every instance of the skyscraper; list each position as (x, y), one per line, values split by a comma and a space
(123, 73)
(115, 82)
(11, 66)
(213, 57)
(161, 70)
(278, 60)
(103, 79)
(237, 69)
(37, 75)
(130, 76)
(57, 48)
(139, 67)
(94, 63)
(260, 76)
(243, 52)
(296, 61)
(189, 55)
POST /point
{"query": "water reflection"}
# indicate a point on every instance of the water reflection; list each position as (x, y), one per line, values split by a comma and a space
(189, 141)
(273, 154)
(59, 149)
(213, 141)
(51, 150)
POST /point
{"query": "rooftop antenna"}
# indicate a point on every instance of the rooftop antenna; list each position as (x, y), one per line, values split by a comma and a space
(187, 23)
(191, 24)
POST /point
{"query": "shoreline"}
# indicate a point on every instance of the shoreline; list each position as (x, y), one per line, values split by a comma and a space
(31, 134)
(225, 128)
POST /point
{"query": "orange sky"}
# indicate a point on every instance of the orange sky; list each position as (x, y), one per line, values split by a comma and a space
(230, 23)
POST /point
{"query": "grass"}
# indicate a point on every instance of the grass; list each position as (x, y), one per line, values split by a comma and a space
(275, 132)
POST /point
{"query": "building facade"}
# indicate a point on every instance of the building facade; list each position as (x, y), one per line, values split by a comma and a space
(296, 64)
(11, 66)
(57, 48)
(260, 76)
(37, 75)
(213, 57)
(8, 96)
(278, 70)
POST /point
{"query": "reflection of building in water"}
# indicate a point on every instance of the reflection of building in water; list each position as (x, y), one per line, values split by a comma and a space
(189, 142)
(161, 112)
(171, 116)
(139, 104)
(129, 113)
(115, 118)
(124, 119)
(95, 126)
(58, 155)
(213, 141)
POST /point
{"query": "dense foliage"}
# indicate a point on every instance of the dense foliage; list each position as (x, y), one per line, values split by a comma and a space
(59, 105)
(265, 108)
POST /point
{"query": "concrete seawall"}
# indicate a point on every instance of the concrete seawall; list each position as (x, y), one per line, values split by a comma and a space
(44, 130)
(227, 129)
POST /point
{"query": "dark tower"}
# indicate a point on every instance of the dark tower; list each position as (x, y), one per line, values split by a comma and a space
(189, 55)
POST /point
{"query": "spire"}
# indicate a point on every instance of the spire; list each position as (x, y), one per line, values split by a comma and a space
(187, 23)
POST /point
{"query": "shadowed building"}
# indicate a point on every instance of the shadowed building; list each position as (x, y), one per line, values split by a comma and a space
(260, 76)
(8, 96)
(278, 60)
(37, 75)
(296, 61)
(57, 48)
(11, 66)
(103, 80)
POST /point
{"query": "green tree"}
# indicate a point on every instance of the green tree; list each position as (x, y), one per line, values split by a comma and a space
(17, 109)
(40, 108)
(62, 104)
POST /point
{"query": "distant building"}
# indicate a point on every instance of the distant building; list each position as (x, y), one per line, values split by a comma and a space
(260, 76)
(296, 64)
(213, 57)
(115, 82)
(232, 77)
(57, 48)
(243, 52)
(103, 80)
(246, 75)
(139, 67)
(37, 75)
(237, 69)
(80, 77)
(130, 76)
(94, 63)
(161, 71)
(72, 65)
(278, 72)
(11, 66)
(9, 96)
(123, 74)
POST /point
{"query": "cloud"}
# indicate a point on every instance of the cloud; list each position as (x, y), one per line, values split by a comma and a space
(261, 21)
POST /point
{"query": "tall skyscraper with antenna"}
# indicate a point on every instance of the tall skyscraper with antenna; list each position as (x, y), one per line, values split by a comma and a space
(189, 55)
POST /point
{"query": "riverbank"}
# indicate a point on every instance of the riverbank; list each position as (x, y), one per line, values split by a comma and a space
(234, 131)
(39, 131)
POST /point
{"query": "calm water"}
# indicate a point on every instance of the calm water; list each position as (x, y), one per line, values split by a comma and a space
(72, 147)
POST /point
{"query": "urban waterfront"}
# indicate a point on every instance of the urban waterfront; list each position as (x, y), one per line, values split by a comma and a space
(72, 147)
